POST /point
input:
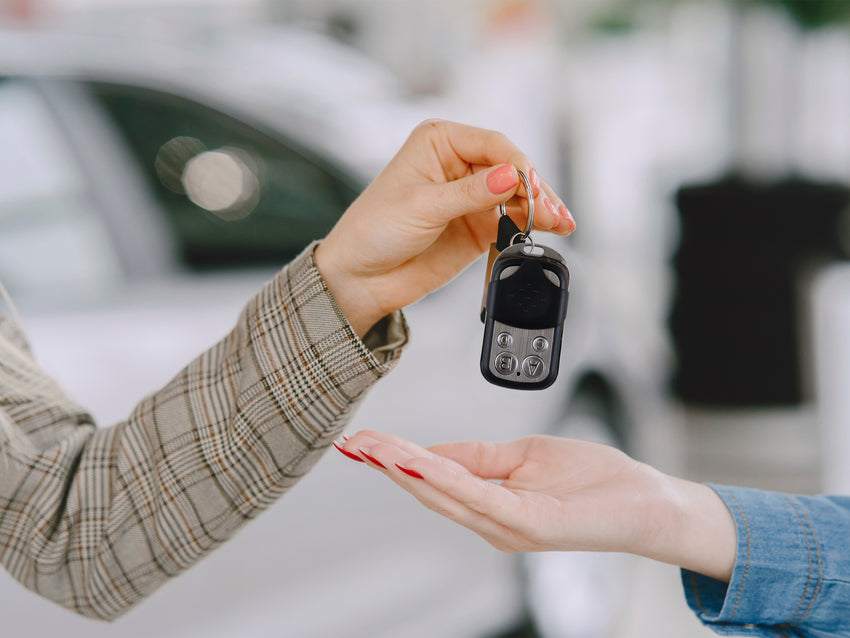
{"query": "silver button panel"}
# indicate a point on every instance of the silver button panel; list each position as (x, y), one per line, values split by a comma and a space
(521, 354)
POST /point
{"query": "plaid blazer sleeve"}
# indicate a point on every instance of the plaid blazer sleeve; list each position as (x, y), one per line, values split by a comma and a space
(95, 519)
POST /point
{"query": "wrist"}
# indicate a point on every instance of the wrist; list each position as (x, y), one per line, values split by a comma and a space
(696, 531)
(349, 292)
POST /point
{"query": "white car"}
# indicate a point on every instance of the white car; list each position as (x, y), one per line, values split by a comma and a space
(146, 193)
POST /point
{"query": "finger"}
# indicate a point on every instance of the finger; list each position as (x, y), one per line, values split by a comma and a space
(359, 448)
(475, 193)
(504, 507)
(550, 213)
(449, 489)
(469, 145)
(388, 451)
(565, 222)
(545, 216)
(498, 535)
(487, 459)
(370, 438)
(383, 451)
(452, 491)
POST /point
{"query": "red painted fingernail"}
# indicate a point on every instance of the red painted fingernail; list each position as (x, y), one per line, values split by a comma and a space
(502, 179)
(373, 459)
(348, 454)
(410, 472)
(535, 182)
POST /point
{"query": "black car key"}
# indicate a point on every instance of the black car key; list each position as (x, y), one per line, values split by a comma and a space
(507, 231)
(524, 311)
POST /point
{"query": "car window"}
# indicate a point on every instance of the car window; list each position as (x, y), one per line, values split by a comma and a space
(52, 237)
(234, 195)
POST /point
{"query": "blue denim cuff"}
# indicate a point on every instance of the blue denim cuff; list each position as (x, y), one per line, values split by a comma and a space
(791, 569)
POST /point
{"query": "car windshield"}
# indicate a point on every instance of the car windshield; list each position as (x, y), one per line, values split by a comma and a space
(233, 194)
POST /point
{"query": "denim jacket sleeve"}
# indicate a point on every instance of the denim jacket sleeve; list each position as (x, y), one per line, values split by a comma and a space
(792, 570)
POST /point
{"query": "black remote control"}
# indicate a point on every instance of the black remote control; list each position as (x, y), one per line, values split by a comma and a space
(525, 309)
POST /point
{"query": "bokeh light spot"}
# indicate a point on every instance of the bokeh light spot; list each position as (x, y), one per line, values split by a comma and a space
(222, 182)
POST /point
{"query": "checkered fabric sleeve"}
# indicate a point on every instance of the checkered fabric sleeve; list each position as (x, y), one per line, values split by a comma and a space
(95, 519)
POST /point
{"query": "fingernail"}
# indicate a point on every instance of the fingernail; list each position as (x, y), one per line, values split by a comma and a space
(502, 179)
(567, 217)
(535, 182)
(410, 472)
(372, 458)
(549, 205)
(348, 454)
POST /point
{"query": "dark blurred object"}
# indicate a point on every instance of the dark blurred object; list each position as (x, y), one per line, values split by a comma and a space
(626, 15)
(814, 14)
(735, 319)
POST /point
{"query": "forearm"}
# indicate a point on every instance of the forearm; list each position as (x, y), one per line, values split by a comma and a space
(754, 562)
(692, 528)
(122, 509)
(792, 570)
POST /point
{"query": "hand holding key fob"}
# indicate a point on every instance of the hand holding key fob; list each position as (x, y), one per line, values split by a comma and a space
(525, 309)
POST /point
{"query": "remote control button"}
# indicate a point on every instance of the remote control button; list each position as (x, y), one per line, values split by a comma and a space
(533, 366)
(540, 344)
(506, 363)
(505, 340)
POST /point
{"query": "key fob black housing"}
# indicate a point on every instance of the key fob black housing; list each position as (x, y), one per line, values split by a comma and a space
(525, 309)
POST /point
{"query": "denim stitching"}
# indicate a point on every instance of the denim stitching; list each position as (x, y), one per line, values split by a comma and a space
(695, 588)
(820, 566)
(805, 595)
(747, 566)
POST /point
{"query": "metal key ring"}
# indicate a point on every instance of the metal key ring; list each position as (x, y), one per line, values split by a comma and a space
(528, 189)
(527, 240)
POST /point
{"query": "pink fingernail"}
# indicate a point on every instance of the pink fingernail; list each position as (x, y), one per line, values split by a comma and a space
(535, 182)
(373, 459)
(550, 206)
(567, 217)
(502, 179)
(410, 472)
(348, 454)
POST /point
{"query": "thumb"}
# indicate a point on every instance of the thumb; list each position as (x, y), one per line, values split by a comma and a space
(475, 193)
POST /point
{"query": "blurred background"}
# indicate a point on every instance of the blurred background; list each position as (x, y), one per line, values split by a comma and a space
(160, 158)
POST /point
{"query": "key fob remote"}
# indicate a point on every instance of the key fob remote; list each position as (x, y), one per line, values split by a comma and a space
(525, 309)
